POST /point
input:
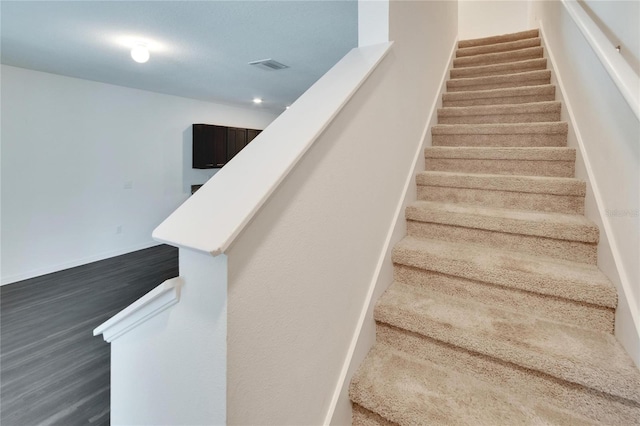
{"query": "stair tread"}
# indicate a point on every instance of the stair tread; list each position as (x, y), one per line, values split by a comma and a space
(579, 282)
(503, 68)
(407, 390)
(501, 128)
(511, 183)
(502, 38)
(499, 93)
(499, 57)
(501, 54)
(498, 47)
(588, 358)
(543, 153)
(500, 78)
(525, 108)
(525, 222)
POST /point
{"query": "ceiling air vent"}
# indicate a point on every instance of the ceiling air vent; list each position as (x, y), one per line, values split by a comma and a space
(269, 64)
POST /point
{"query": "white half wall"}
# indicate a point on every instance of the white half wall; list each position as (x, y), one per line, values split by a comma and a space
(365, 335)
(300, 272)
(90, 169)
(483, 18)
(607, 138)
(171, 369)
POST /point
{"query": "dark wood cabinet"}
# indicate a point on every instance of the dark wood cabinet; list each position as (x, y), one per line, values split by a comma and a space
(219, 149)
(236, 140)
(251, 134)
(214, 146)
(209, 146)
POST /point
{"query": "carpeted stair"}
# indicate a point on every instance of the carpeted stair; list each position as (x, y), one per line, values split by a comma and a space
(498, 314)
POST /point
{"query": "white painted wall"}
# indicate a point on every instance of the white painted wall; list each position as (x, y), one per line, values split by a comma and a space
(483, 18)
(607, 136)
(365, 335)
(373, 22)
(162, 371)
(300, 271)
(620, 21)
(69, 148)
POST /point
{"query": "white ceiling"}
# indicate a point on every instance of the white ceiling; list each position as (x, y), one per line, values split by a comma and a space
(199, 49)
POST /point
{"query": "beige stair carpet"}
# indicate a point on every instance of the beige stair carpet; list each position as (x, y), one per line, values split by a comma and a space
(518, 134)
(498, 313)
(497, 69)
(533, 161)
(516, 95)
(487, 82)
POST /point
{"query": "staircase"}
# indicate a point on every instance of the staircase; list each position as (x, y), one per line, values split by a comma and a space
(498, 314)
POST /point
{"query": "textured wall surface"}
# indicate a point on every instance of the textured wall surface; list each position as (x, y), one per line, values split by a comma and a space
(483, 18)
(300, 271)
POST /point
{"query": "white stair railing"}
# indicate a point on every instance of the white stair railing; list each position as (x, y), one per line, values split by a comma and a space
(623, 75)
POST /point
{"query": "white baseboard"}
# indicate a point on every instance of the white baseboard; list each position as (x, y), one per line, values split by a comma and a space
(377, 285)
(76, 262)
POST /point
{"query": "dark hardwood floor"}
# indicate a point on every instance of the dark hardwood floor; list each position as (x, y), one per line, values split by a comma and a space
(52, 369)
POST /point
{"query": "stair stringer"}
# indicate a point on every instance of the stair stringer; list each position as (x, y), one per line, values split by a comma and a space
(364, 336)
(627, 319)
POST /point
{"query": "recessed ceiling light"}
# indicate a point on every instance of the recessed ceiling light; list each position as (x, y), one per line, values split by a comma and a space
(257, 100)
(140, 53)
(287, 107)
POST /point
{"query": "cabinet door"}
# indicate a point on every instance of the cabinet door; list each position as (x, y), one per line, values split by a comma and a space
(251, 134)
(236, 140)
(209, 146)
(219, 146)
(202, 150)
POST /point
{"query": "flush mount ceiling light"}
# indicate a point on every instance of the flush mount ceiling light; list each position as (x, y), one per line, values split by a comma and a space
(140, 46)
(257, 100)
(140, 53)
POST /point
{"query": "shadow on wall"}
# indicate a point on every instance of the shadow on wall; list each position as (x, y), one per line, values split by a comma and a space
(191, 176)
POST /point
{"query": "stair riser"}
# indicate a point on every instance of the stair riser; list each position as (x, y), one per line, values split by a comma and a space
(559, 249)
(522, 35)
(498, 101)
(363, 417)
(499, 69)
(498, 47)
(516, 140)
(500, 118)
(573, 397)
(498, 58)
(515, 184)
(503, 199)
(464, 86)
(502, 167)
